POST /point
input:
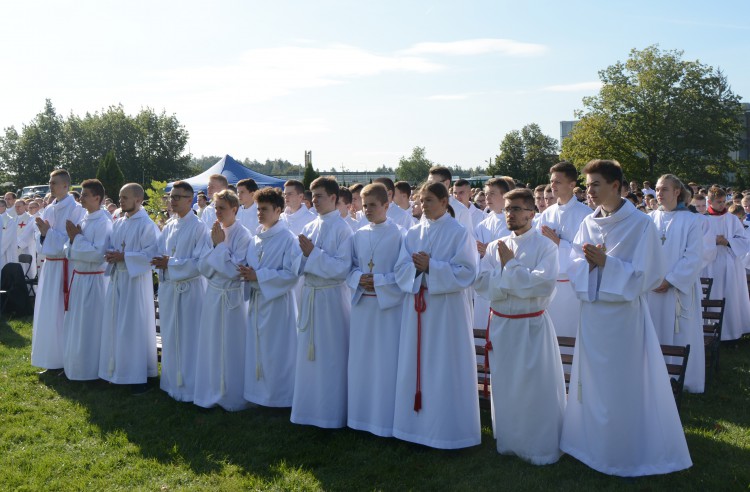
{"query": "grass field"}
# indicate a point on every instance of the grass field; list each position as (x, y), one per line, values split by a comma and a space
(61, 435)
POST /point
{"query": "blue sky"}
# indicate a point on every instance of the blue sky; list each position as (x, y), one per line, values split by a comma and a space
(360, 83)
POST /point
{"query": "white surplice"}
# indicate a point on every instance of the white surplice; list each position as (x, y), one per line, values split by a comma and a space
(621, 418)
(399, 216)
(449, 414)
(208, 216)
(323, 326)
(47, 341)
(375, 328)
(676, 313)
(182, 289)
(528, 385)
(248, 217)
(88, 286)
(565, 220)
(128, 350)
(297, 221)
(8, 241)
(728, 272)
(477, 215)
(26, 241)
(271, 345)
(462, 215)
(220, 362)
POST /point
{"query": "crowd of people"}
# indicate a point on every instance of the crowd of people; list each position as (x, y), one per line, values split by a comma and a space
(356, 306)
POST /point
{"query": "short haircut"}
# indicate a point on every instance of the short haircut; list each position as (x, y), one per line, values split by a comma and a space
(270, 195)
(746, 198)
(548, 189)
(699, 197)
(436, 189)
(228, 196)
(692, 183)
(137, 190)
(3, 203)
(297, 185)
(376, 190)
(734, 197)
(715, 192)
(403, 187)
(566, 168)
(220, 178)
(521, 194)
(441, 172)
(328, 183)
(539, 189)
(76, 195)
(499, 183)
(12, 195)
(610, 170)
(387, 182)
(345, 195)
(185, 186)
(646, 184)
(308, 195)
(62, 173)
(737, 210)
(249, 184)
(94, 186)
(356, 188)
(461, 182)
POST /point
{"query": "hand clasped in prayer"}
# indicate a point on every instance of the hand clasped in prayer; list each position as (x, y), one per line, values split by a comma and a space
(114, 256)
(504, 253)
(247, 273)
(306, 245)
(217, 234)
(72, 230)
(43, 226)
(421, 261)
(367, 282)
(595, 255)
(551, 234)
(160, 262)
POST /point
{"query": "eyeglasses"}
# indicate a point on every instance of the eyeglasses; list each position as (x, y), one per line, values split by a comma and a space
(177, 198)
(515, 210)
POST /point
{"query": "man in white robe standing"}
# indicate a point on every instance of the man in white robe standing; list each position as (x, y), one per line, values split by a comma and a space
(88, 285)
(518, 274)
(271, 344)
(248, 211)
(296, 215)
(375, 326)
(727, 268)
(182, 243)
(675, 305)
(560, 222)
(9, 239)
(621, 418)
(220, 363)
(324, 257)
(216, 183)
(462, 193)
(25, 236)
(128, 350)
(10, 202)
(398, 215)
(47, 341)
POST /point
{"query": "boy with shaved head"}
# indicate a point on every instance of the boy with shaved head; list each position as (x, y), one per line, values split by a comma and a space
(128, 351)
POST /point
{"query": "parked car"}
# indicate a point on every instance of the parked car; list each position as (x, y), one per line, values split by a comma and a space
(34, 190)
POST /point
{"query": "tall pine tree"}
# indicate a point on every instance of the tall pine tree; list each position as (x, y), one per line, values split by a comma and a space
(110, 174)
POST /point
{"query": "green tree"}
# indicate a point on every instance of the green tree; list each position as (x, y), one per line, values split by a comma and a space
(155, 203)
(110, 174)
(658, 113)
(526, 155)
(414, 168)
(310, 175)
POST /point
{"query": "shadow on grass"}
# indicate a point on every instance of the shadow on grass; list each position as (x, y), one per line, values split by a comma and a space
(263, 443)
(10, 337)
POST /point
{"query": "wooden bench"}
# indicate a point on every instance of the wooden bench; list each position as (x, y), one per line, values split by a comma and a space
(676, 371)
(707, 284)
(713, 320)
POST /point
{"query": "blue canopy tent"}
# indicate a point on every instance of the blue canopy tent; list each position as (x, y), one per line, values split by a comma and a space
(234, 171)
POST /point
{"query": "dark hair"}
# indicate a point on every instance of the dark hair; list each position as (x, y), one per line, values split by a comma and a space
(270, 195)
(387, 182)
(297, 185)
(377, 190)
(95, 187)
(328, 183)
(436, 189)
(610, 170)
(521, 194)
(566, 168)
(500, 183)
(249, 184)
(345, 195)
(442, 172)
(12, 195)
(461, 182)
(716, 192)
(403, 187)
(219, 177)
(76, 195)
(548, 188)
(185, 186)
(356, 188)
(539, 188)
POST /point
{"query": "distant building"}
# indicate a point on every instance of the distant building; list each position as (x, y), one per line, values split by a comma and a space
(347, 178)
(565, 128)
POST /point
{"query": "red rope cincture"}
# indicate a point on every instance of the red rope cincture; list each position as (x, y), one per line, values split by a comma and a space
(419, 306)
(517, 316)
(67, 293)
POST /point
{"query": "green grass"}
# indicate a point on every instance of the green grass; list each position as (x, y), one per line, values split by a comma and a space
(61, 435)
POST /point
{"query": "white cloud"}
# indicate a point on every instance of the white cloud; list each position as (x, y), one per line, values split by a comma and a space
(577, 87)
(448, 97)
(481, 46)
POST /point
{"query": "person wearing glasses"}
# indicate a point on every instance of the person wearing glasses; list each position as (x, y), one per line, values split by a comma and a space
(518, 274)
(182, 243)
